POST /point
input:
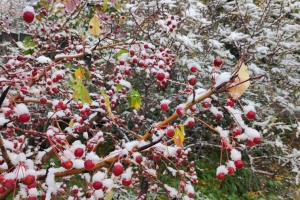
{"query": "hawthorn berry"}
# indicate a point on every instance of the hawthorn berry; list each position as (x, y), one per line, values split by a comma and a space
(239, 164)
(29, 179)
(78, 152)
(118, 169)
(126, 182)
(97, 185)
(89, 164)
(218, 62)
(221, 176)
(250, 114)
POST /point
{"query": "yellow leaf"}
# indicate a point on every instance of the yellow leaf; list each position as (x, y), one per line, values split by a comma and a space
(71, 123)
(104, 5)
(95, 26)
(179, 135)
(240, 89)
(109, 195)
(79, 73)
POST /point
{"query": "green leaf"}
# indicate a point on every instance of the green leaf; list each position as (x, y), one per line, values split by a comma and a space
(26, 39)
(119, 87)
(122, 51)
(29, 51)
(81, 92)
(31, 44)
(87, 74)
(104, 5)
(68, 65)
(135, 99)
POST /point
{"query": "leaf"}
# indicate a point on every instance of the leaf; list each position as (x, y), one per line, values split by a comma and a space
(179, 135)
(109, 195)
(68, 65)
(135, 99)
(118, 6)
(95, 26)
(107, 103)
(26, 39)
(81, 92)
(87, 74)
(122, 51)
(79, 73)
(104, 5)
(71, 123)
(240, 89)
(119, 87)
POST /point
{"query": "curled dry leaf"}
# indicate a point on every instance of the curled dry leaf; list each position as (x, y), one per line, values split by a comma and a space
(239, 90)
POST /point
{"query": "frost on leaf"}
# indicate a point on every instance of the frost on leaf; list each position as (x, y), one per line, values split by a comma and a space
(81, 92)
(240, 89)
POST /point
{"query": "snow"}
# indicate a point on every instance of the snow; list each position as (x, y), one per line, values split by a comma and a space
(172, 170)
(28, 9)
(21, 109)
(43, 59)
(222, 78)
(223, 133)
(125, 83)
(127, 174)
(251, 133)
(222, 169)
(99, 176)
(235, 155)
(172, 191)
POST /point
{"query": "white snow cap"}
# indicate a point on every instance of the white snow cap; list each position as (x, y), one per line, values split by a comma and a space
(223, 133)
(222, 169)
(99, 176)
(231, 164)
(43, 59)
(222, 78)
(28, 9)
(248, 108)
(21, 109)
(127, 174)
(235, 155)
(165, 101)
(252, 133)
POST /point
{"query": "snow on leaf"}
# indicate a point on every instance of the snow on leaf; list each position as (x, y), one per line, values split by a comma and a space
(179, 135)
(135, 99)
(240, 89)
(95, 26)
(81, 92)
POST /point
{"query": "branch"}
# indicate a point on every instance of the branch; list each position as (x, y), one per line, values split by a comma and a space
(5, 154)
(175, 115)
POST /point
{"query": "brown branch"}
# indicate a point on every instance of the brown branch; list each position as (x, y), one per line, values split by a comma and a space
(175, 115)
(5, 154)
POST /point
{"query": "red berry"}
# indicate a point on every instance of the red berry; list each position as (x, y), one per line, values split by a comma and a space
(239, 164)
(230, 170)
(170, 132)
(43, 100)
(33, 185)
(221, 176)
(160, 76)
(237, 131)
(250, 143)
(193, 108)
(193, 69)
(28, 17)
(180, 111)
(89, 164)
(122, 62)
(131, 52)
(2, 190)
(146, 46)
(67, 164)
(192, 81)
(118, 170)
(126, 182)
(20, 58)
(29, 179)
(139, 159)
(205, 104)
(8, 66)
(9, 183)
(251, 114)
(191, 123)
(78, 152)
(191, 195)
(97, 185)
(2, 161)
(156, 158)
(256, 140)
(32, 198)
(230, 102)
(164, 106)
(219, 116)
(218, 62)
(23, 118)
